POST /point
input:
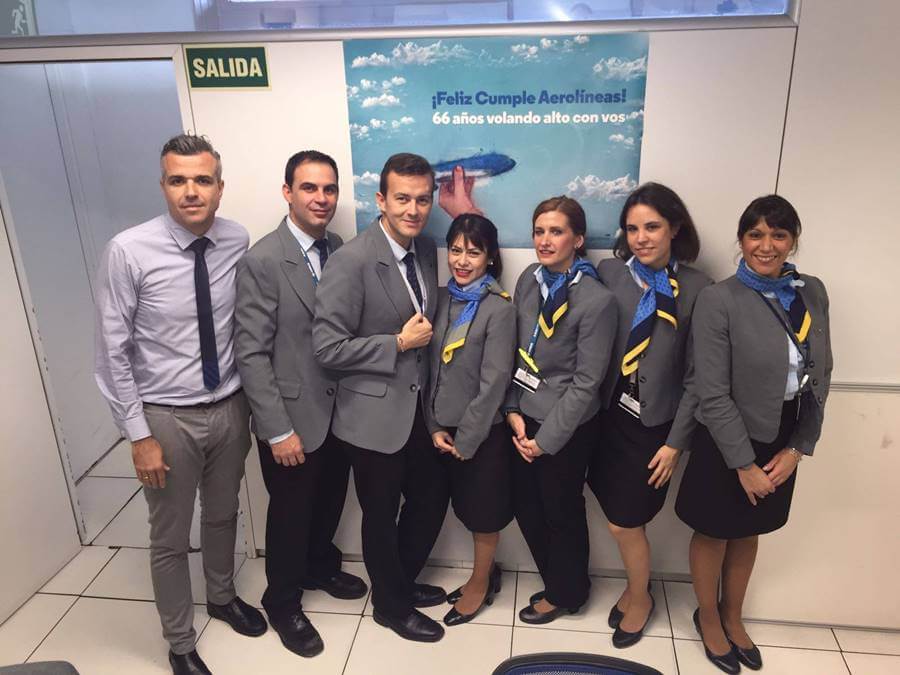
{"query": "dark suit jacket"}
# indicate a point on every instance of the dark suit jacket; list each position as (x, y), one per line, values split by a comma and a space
(273, 315)
(361, 305)
(662, 369)
(467, 392)
(741, 366)
(572, 363)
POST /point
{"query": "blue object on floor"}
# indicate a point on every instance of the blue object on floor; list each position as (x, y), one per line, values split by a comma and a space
(571, 663)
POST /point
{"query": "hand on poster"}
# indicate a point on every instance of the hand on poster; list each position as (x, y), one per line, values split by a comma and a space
(455, 196)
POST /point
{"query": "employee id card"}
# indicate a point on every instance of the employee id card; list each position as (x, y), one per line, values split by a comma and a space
(628, 401)
(528, 381)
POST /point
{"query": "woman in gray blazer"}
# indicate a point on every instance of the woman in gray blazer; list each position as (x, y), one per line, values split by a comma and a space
(471, 363)
(762, 369)
(566, 332)
(648, 420)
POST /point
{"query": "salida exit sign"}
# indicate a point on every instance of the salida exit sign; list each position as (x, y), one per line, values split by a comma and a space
(227, 67)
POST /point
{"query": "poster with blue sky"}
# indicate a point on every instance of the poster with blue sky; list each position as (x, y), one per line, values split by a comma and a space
(529, 117)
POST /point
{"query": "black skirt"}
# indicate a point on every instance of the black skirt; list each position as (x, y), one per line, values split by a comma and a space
(711, 499)
(480, 487)
(618, 472)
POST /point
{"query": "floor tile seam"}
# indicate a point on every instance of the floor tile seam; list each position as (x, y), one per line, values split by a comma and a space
(759, 644)
(103, 476)
(117, 514)
(50, 632)
(856, 651)
(671, 630)
(846, 665)
(512, 633)
(352, 644)
(100, 571)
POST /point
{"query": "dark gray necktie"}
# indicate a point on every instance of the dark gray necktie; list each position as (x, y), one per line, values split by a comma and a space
(322, 246)
(208, 353)
(412, 277)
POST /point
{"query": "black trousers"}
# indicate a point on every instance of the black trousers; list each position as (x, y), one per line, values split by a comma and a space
(395, 550)
(305, 505)
(548, 500)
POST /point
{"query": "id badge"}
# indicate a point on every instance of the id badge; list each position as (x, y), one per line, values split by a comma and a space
(528, 381)
(630, 404)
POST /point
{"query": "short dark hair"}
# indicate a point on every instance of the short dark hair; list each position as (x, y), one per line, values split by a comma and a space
(573, 212)
(189, 144)
(405, 164)
(666, 202)
(304, 156)
(481, 233)
(775, 210)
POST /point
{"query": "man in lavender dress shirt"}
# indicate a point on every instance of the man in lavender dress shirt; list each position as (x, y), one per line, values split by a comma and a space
(165, 363)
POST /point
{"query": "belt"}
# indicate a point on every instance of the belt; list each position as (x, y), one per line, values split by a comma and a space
(196, 406)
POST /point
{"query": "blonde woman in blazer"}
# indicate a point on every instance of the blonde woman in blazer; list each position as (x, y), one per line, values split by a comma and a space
(762, 369)
(567, 327)
(648, 419)
(471, 363)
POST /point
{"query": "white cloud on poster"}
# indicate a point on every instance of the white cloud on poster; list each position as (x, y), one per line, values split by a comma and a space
(395, 81)
(386, 100)
(361, 205)
(367, 178)
(374, 59)
(352, 91)
(402, 122)
(525, 52)
(623, 139)
(635, 115)
(423, 55)
(593, 188)
(615, 68)
(359, 131)
(582, 39)
(368, 85)
(547, 43)
(377, 124)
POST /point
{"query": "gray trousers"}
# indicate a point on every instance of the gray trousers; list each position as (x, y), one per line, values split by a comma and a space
(204, 447)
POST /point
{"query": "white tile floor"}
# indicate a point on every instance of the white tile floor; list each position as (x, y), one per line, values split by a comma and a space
(96, 614)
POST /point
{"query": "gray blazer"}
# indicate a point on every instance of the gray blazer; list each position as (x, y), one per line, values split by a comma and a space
(273, 315)
(361, 305)
(467, 392)
(662, 369)
(741, 366)
(572, 364)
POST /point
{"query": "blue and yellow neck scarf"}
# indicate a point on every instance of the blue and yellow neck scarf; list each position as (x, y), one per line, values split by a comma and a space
(456, 336)
(557, 302)
(658, 300)
(784, 289)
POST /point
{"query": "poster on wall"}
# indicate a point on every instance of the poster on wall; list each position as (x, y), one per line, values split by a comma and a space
(528, 117)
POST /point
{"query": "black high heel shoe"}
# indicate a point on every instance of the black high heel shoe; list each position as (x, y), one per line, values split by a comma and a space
(622, 638)
(724, 662)
(455, 618)
(616, 614)
(749, 657)
(495, 582)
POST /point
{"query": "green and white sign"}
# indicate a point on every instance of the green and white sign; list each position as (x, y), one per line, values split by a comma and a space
(16, 18)
(227, 67)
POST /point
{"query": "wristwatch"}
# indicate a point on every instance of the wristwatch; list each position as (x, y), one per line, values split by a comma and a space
(796, 453)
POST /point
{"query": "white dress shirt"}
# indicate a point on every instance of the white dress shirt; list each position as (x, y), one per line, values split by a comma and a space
(546, 291)
(147, 341)
(399, 253)
(307, 244)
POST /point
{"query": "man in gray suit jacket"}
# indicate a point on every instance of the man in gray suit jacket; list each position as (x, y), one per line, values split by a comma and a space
(291, 398)
(373, 322)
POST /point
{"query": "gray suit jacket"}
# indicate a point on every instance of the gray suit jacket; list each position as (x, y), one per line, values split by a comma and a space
(741, 366)
(572, 364)
(467, 392)
(361, 305)
(273, 316)
(662, 369)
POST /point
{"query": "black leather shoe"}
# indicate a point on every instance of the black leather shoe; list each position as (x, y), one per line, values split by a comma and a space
(243, 618)
(188, 664)
(622, 638)
(616, 614)
(424, 595)
(496, 581)
(454, 618)
(725, 662)
(298, 634)
(341, 585)
(414, 626)
(536, 597)
(531, 615)
(749, 657)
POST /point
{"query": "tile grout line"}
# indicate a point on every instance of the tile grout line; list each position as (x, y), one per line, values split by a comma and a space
(49, 632)
(799, 649)
(671, 629)
(117, 514)
(512, 633)
(846, 665)
(353, 641)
